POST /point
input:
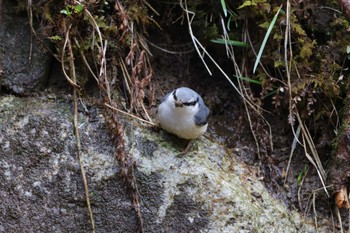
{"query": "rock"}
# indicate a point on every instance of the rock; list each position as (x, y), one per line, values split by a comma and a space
(207, 190)
(25, 63)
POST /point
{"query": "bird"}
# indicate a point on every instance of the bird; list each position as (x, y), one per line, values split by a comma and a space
(183, 112)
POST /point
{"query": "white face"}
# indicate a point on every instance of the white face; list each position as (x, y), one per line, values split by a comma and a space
(188, 106)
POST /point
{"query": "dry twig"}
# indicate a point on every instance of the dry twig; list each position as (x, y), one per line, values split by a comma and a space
(77, 134)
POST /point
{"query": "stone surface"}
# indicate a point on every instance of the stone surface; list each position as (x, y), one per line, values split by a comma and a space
(41, 188)
(25, 63)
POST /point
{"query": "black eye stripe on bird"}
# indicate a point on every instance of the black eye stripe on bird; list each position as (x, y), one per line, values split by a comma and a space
(192, 103)
(188, 122)
(174, 95)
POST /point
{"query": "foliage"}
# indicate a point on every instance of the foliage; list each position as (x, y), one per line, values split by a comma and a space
(316, 53)
(102, 30)
(70, 9)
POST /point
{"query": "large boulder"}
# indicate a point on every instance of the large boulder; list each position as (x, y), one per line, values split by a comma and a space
(206, 190)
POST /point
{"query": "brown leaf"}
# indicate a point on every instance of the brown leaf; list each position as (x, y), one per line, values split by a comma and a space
(341, 199)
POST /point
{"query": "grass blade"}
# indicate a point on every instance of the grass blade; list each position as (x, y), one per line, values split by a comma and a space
(223, 4)
(265, 39)
(230, 42)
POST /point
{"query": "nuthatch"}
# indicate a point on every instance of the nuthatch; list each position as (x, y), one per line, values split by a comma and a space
(182, 112)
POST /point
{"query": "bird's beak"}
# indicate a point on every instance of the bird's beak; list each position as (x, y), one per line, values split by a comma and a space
(178, 103)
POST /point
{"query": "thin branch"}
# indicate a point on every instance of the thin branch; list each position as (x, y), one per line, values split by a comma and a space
(30, 16)
(63, 60)
(294, 145)
(130, 115)
(194, 39)
(170, 51)
(76, 127)
(85, 61)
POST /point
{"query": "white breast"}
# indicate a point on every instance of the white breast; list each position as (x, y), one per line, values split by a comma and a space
(179, 120)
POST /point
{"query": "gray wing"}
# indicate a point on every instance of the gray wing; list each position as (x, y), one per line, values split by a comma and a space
(201, 118)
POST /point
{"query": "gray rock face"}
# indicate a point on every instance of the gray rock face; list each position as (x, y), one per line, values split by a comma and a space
(25, 62)
(41, 188)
